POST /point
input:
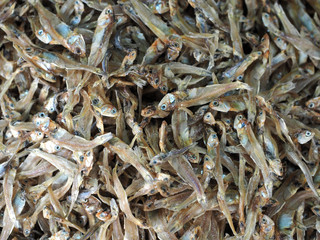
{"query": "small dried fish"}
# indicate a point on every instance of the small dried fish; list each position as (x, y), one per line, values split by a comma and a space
(166, 119)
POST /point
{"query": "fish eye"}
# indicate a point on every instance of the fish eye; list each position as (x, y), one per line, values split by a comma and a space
(228, 121)
(27, 231)
(114, 111)
(206, 158)
(262, 39)
(163, 107)
(40, 32)
(57, 147)
(240, 77)
(95, 101)
(207, 115)
(38, 123)
(311, 105)
(264, 221)
(215, 103)
(260, 113)
(214, 135)
(156, 81)
(308, 133)
(78, 50)
(51, 109)
(39, 133)
(28, 49)
(164, 88)
(266, 15)
(81, 158)
(278, 39)
(42, 115)
(240, 117)
(109, 11)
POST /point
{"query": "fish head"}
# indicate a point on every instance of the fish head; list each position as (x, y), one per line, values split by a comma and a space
(212, 140)
(149, 111)
(281, 43)
(109, 110)
(41, 120)
(239, 121)
(261, 118)
(51, 104)
(208, 163)
(219, 105)
(313, 103)
(168, 102)
(276, 166)
(43, 36)
(192, 156)
(266, 225)
(36, 136)
(77, 45)
(85, 160)
(264, 43)
(304, 136)
(174, 47)
(50, 147)
(208, 118)
(107, 17)
(163, 88)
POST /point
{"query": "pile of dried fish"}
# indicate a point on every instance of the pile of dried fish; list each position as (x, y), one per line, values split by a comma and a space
(159, 119)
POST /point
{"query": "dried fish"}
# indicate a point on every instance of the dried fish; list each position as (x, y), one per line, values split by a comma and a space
(166, 119)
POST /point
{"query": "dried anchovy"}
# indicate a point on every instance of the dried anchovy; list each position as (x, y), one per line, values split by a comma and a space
(165, 119)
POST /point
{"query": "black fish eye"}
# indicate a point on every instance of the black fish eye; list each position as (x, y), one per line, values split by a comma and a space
(311, 105)
(164, 88)
(57, 147)
(95, 101)
(308, 133)
(114, 111)
(163, 107)
(240, 77)
(42, 115)
(215, 103)
(81, 158)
